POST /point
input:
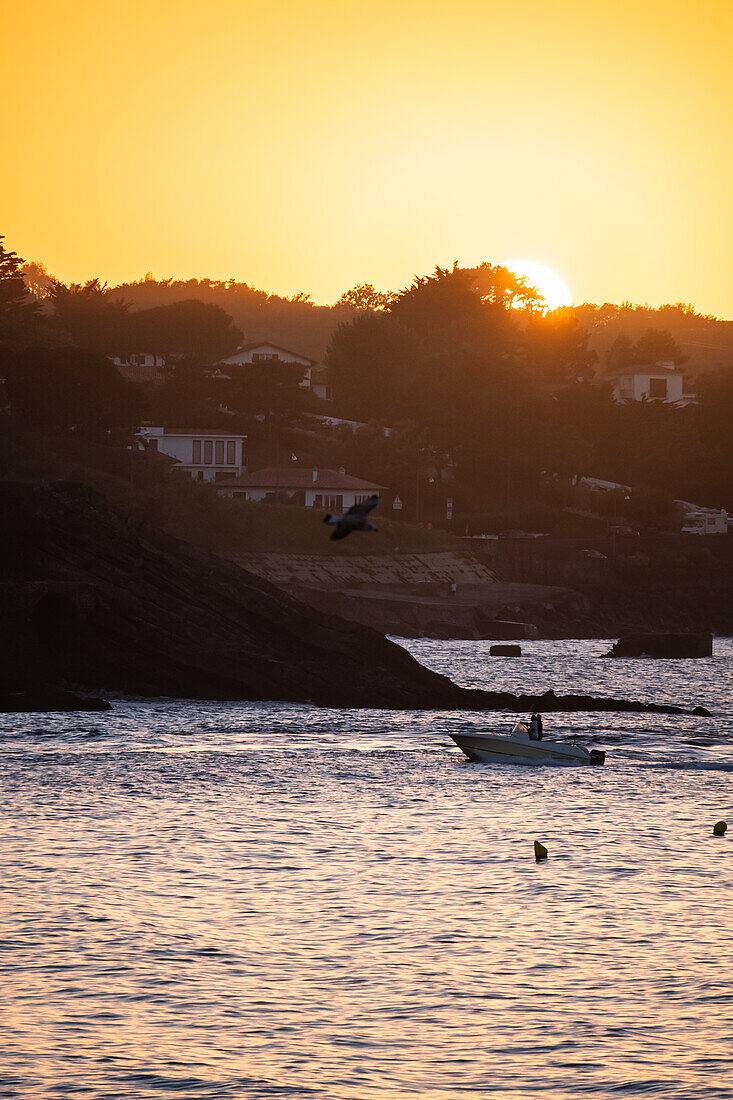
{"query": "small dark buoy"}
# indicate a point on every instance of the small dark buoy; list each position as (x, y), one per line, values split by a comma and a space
(719, 828)
(540, 852)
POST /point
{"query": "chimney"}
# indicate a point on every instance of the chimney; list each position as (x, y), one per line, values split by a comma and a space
(315, 474)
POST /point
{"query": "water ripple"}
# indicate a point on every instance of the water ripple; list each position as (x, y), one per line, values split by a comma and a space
(208, 900)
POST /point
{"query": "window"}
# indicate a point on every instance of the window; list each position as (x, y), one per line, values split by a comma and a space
(219, 452)
(333, 503)
(196, 455)
(231, 452)
(657, 389)
(208, 451)
(359, 497)
(200, 475)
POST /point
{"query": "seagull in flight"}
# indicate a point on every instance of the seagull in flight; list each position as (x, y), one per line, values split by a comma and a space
(354, 520)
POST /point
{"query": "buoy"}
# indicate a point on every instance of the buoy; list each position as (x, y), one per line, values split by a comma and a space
(719, 828)
(540, 852)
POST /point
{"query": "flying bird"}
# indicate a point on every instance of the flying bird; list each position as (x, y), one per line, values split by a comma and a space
(354, 520)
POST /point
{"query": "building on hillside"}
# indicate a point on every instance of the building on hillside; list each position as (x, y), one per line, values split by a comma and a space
(204, 454)
(143, 367)
(650, 382)
(315, 375)
(311, 487)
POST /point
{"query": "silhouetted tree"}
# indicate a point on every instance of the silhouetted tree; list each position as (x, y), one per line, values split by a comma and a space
(438, 304)
(263, 389)
(19, 311)
(195, 329)
(620, 355)
(557, 347)
(372, 364)
(657, 346)
(189, 397)
(69, 389)
(363, 296)
(37, 279)
(92, 315)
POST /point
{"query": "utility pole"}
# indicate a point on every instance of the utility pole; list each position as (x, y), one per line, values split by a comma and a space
(417, 495)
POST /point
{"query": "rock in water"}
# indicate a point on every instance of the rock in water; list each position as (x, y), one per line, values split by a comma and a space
(505, 651)
(42, 700)
(663, 646)
(720, 828)
(540, 852)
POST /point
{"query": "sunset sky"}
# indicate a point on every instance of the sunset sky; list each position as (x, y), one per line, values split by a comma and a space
(311, 146)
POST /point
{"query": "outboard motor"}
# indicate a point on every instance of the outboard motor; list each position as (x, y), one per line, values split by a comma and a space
(597, 756)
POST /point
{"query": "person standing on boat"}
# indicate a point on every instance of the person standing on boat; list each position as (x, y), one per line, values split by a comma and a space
(535, 728)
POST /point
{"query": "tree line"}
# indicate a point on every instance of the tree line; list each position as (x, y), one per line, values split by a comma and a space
(484, 393)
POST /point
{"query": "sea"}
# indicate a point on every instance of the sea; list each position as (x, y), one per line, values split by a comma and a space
(248, 900)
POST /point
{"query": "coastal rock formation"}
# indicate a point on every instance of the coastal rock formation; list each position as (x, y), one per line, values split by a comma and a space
(663, 645)
(93, 599)
(45, 699)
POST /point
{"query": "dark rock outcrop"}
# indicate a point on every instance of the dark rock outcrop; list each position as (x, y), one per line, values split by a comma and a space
(44, 699)
(663, 645)
(505, 651)
(550, 703)
(93, 599)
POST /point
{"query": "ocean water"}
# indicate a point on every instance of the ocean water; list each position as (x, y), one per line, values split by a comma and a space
(208, 900)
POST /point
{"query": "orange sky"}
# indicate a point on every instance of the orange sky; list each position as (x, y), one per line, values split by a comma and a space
(309, 147)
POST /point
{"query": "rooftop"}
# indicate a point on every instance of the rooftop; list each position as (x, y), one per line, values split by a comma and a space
(664, 368)
(298, 477)
(266, 344)
(210, 433)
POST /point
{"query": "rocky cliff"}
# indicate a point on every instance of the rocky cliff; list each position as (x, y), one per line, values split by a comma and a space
(91, 598)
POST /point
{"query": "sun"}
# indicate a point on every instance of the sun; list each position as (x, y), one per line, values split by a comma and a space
(552, 288)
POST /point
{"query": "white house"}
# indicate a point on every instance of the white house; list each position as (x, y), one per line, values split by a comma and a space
(315, 376)
(651, 382)
(143, 367)
(331, 490)
(205, 454)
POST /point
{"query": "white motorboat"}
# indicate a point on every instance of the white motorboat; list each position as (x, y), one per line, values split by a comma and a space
(516, 747)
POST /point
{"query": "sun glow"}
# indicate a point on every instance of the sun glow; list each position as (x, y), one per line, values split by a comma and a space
(552, 288)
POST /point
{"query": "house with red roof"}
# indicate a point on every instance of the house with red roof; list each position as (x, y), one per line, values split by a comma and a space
(312, 487)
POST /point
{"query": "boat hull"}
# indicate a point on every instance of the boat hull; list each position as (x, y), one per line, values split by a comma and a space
(496, 749)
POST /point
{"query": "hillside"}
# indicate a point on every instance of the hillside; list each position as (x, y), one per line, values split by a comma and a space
(92, 597)
(305, 327)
